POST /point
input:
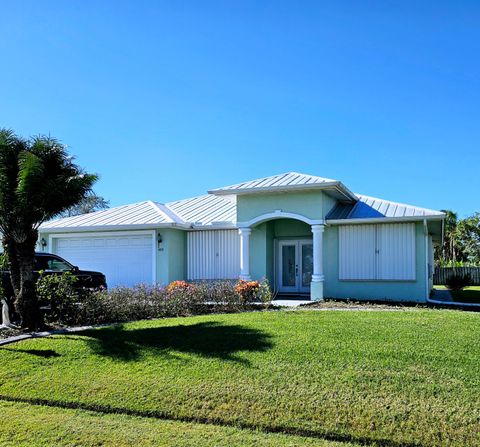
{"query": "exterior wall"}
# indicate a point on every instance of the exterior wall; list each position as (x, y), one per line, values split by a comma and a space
(261, 253)
(171, 255)
(310, 204)
(412, 291)
(328, 204)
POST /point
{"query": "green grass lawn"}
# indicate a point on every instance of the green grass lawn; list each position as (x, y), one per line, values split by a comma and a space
(26, 425)
(396, 378)
(467, 295)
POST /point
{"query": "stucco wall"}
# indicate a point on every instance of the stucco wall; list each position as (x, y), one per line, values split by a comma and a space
(307, 203)
(259, 249)
(380, 290)
(171, 255)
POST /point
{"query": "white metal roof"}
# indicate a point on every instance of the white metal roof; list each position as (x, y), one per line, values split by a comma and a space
(371, 207)
(288, 181)
(197, 211)
(136, 214)
(218, 208)
(206, 210)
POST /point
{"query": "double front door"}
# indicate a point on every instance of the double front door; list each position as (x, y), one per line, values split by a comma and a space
(295, 266)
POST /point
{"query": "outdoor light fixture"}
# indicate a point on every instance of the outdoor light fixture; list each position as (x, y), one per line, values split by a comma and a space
(43, 243)
(159, 241)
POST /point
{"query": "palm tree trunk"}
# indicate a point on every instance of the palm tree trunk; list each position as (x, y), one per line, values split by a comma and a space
(14, 274)
(27, 303)
(10, 250)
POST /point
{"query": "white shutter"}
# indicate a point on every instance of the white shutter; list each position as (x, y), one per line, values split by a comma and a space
(377, 252)
(213, 254)
(357, 252)
(396, 252)
(201, 255)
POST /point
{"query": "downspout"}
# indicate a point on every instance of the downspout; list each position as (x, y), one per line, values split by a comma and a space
(275, 268)
(427, 277)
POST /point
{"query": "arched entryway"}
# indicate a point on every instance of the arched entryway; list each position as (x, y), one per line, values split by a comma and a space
(292, 252)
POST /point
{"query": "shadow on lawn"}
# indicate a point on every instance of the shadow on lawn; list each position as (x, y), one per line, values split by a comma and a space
(209, 339)
(45, 353)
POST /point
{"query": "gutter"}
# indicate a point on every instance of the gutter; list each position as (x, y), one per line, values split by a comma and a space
(113, 228)
(361, 220)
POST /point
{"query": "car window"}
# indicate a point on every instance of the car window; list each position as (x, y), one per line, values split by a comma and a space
(52, 264)
(57, 265)
(40, 263)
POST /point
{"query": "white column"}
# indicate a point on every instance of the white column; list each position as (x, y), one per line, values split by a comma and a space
(317, 276)
(245, 253)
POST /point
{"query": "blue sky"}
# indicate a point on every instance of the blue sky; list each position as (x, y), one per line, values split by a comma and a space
(166, 100)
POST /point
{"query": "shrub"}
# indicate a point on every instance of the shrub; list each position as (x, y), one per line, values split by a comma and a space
(180, 286)
(69, 306)
(247, 290)
(458, 281)
(264, 294)
(254, 291)
(121, 304)
(58, 292)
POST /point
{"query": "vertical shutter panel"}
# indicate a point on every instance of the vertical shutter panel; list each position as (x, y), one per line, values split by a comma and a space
(213, 254)
(377, 252)
(357, 252)
(396, 247)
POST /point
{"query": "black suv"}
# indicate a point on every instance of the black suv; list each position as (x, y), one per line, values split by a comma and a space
(51, 264)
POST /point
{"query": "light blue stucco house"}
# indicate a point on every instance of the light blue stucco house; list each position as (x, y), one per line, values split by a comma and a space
(310, 236)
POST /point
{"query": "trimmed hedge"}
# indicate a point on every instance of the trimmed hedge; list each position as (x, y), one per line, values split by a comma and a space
(70, 306)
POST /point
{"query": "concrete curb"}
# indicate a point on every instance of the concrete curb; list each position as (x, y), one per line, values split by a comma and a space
(43, 334)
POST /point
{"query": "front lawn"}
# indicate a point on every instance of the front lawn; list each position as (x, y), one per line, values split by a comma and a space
(25, 425)
(395, 377)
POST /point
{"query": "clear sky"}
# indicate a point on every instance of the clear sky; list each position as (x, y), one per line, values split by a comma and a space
(166, 100)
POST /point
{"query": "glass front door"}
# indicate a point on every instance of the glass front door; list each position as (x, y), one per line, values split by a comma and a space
(295, 266)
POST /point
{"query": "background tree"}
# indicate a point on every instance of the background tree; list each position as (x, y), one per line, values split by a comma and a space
(90, 203)
(468, 238)
(38, 181)
(461, 241)
(449, 249)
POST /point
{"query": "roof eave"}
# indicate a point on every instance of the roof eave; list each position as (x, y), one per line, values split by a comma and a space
(325, 185)
(225, 226)
(384, 219)
(132, 227)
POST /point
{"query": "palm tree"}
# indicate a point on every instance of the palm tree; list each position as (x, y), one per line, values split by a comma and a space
(450, 241)
(38, 181)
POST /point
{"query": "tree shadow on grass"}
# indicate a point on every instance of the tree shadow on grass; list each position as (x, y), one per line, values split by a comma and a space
(208, 339)
(45, 353)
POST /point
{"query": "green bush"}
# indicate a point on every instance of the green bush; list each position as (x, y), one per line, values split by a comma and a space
(458, 281)
(59, 294)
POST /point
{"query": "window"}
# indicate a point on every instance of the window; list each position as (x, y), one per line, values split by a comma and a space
(50, 263)
(377, 252)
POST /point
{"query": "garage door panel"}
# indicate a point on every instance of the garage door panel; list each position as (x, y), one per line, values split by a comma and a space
(125, 260)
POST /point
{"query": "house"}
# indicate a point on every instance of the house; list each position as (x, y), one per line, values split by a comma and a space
(308, 235)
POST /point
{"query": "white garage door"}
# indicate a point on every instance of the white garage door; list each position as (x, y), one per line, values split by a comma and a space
(125, 260)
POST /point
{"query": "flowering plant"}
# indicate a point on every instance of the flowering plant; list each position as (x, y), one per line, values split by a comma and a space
(180, 286)
(248, 290)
